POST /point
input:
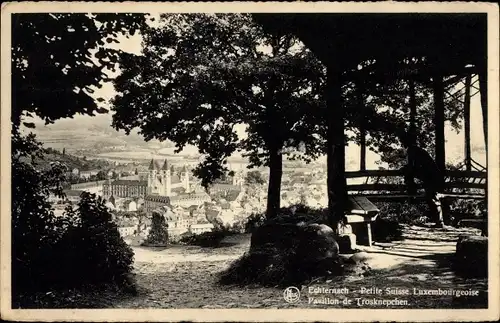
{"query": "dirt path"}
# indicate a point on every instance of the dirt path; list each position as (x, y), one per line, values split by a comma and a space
(185, 277)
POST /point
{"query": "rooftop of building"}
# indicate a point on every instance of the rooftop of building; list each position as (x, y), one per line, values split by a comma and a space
(190, 196)
(73, 192)
(157, 198)
(129, 182)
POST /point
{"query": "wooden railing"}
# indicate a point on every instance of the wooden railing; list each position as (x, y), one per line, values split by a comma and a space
(377, 184)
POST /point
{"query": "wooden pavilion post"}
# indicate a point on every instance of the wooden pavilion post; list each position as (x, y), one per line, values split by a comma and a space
(467, 100)
(335, 114)
(362, 162)
(412, 133)
(483, 89)
(439, 121)
(362, 131)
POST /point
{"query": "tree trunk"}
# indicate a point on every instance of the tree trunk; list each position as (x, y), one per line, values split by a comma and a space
(274, 188)
(362, 130)
(337, 188)
(468, 161)
(413, 111)
(439, 121)
(483, 83)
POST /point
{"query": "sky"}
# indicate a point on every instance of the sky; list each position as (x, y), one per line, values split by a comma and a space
(454, 142)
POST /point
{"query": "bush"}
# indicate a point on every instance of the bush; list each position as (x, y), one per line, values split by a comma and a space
(212, 238)
(205, 239)
(90, 249)
(254, 221)
(404, 212)
(466, 209)
(291, 214)
(158, 235)
(50, 253)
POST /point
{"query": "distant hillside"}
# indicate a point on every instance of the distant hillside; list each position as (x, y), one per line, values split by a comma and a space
(90, 133)
(52, 155)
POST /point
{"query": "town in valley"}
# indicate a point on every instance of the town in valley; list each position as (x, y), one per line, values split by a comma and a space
(135, 188)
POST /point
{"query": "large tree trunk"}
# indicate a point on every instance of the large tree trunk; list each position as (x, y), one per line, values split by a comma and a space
(467, 148)
(274, 189)
(337, 187)
(483, 88)
(439, 121)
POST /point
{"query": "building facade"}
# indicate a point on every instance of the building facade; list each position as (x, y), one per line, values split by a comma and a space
(125, 188)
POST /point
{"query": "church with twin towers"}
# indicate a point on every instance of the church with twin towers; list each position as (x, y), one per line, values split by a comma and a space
(162, 178)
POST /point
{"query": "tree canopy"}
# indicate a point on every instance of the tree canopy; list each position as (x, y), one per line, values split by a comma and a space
(59, 59)
(254, 177)
(202, 75)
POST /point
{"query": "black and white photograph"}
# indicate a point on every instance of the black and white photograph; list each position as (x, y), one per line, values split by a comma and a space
(300, 161)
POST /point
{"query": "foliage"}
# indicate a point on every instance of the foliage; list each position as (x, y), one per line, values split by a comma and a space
(82, 247)
(33, 218)
(95, 246)
(382, 105)
(158, 235)
(291, 214)
(404, 212)
(254, 221)
(206, 239)
(254, 177)
(63, 57)
(200, 76)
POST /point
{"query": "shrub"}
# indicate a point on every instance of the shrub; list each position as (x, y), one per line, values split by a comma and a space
(212, 238)
(461, 209)
(48, 252)
(404, 212)
(158, 235)
(254, 221)
(205, 239)
(291, 214)
(90, 249)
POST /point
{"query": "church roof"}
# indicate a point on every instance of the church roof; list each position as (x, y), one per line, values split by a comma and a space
(129, 182)
(174, 179)
(157, 198)
(165, 165)
(190, 196)
(178, 189)
(155, 164)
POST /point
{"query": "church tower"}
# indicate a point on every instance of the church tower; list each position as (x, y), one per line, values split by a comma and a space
(185, 178)
(166, 179)
(151, 177)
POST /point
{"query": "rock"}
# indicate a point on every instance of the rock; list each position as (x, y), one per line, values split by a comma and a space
(277, 235)
(317, 247)
(300, 250)
(471, 257)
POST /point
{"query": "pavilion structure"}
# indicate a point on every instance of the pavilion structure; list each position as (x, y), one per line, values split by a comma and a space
(437, 49)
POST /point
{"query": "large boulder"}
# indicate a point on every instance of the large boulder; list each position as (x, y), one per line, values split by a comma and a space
(471, 257)
(283, 253)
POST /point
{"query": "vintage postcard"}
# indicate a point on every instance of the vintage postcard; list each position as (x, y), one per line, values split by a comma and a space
(250, 161)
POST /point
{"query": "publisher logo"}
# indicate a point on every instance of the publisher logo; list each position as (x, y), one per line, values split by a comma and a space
(291, 294)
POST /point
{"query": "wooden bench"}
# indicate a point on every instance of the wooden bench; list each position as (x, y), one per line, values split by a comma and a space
(361, 210)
